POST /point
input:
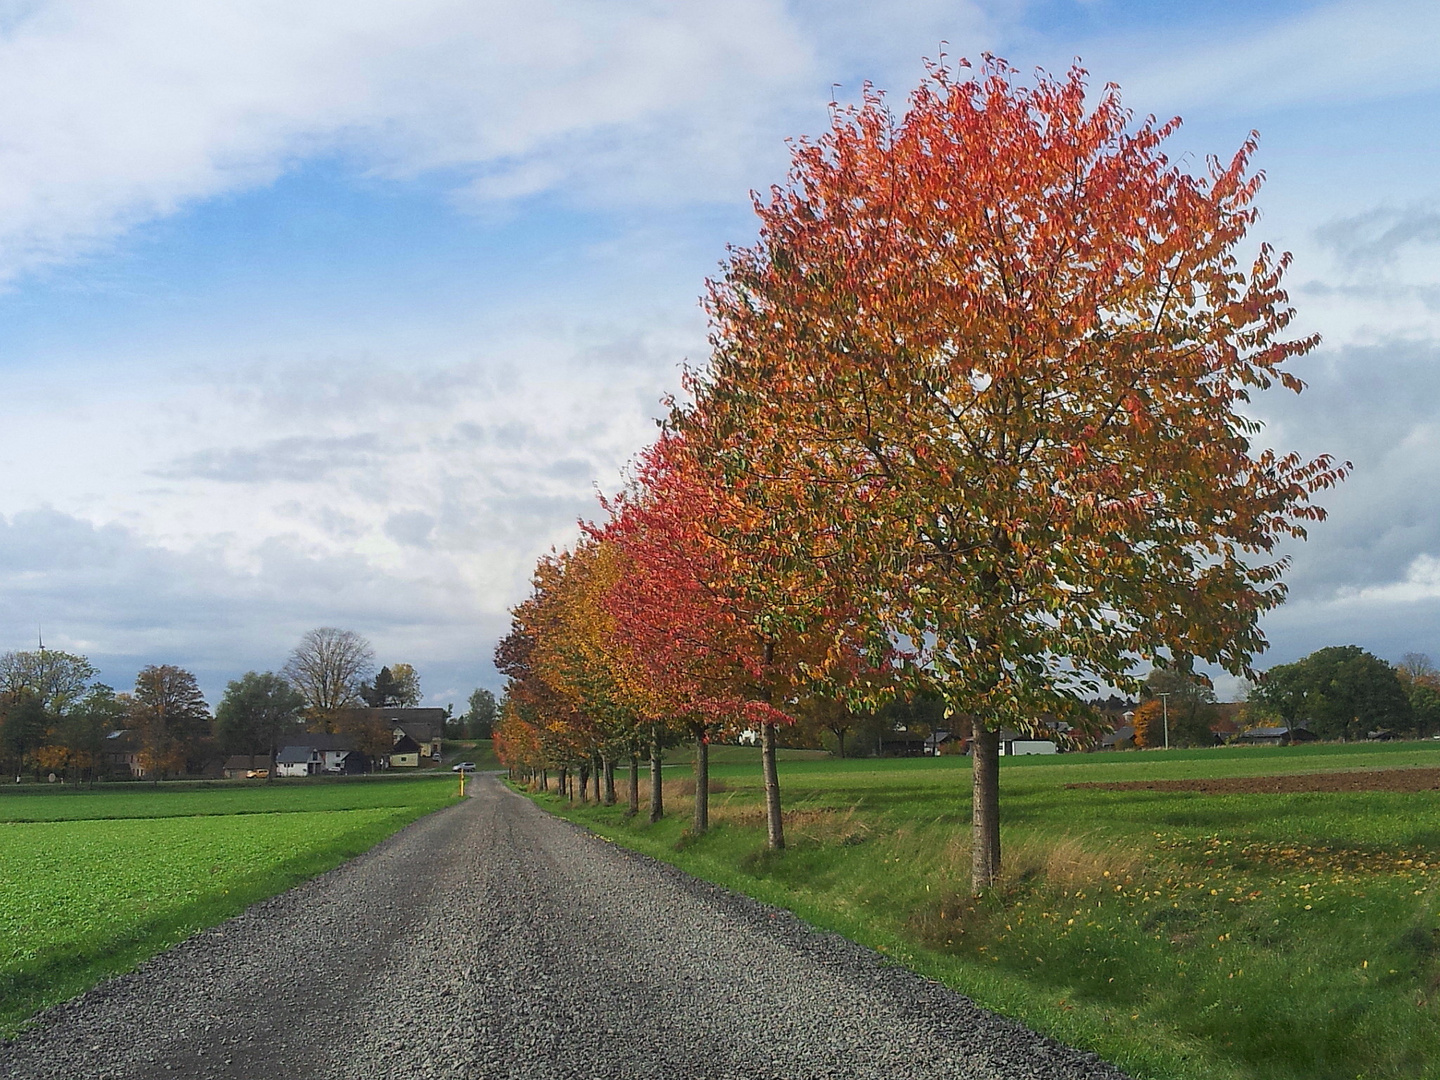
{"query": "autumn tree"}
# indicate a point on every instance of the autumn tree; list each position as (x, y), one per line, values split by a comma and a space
(170, 715)
(328, 668)
(39, 691)
(408, 694)
(525, 656)
(394, 686)
(987, 369)
(1421, 681)
(729, 638)
(817, 713)
(1186, 702)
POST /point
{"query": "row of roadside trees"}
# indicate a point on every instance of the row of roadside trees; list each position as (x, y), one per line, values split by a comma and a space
(973, 428)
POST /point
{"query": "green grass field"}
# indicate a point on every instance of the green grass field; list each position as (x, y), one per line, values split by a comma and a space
(1175, 933)
(93, 882)
(480, 751)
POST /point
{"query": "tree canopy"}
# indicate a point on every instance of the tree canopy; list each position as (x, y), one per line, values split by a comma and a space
(1343, 692)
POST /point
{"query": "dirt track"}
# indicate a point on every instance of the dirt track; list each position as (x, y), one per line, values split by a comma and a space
(1402, 780)
(491, 940)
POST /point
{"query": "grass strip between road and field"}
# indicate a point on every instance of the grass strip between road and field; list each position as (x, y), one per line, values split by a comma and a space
(94, 883)
(1178, 934)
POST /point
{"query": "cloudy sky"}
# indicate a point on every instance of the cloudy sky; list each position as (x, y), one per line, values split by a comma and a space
(334, 313)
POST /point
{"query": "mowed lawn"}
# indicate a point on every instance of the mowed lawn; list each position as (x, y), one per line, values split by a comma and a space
(1178, 934)
(93, 882)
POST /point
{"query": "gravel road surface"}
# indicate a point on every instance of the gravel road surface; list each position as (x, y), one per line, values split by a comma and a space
(492, 940)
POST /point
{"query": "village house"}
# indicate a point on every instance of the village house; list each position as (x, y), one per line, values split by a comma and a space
(122, 753)
(426, 727)
(405, 754)
(318, 753)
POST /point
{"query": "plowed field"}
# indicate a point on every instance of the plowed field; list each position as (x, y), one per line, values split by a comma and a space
(1401, 780)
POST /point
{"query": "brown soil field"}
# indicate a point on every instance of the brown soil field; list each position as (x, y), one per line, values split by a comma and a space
(1292, 783)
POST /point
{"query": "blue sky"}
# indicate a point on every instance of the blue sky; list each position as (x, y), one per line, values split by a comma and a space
(334, 314)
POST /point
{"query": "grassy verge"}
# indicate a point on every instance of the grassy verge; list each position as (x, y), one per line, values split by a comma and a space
(1177, 934)
(91, 884)
(479, 751)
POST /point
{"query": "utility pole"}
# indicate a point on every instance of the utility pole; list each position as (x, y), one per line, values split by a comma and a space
(1165, 714)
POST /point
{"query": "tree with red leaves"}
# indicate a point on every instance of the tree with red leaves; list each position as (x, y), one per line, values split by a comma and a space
(986, 371)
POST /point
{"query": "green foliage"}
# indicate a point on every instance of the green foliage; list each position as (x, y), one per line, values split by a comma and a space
(256, 713)
(480, 714)
(1313, 957)
(57, 678)
(22, 726)
(394, 686)
(93, 883)
(1343, 691)
(1425, 707)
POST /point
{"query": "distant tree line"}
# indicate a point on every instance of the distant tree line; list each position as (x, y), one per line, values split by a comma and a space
(1345, 692)
(57, 718)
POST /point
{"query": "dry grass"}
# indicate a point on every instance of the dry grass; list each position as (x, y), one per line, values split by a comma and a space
(1070, 862)
(1061, 865)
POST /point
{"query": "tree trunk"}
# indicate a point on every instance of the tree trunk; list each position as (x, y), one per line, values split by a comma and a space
(634, 784)
(985, 806)
(702, 780)
(584, 781)
(657, 790)
(545, 781)
(840, 741)
(609, 770)
(775, 827)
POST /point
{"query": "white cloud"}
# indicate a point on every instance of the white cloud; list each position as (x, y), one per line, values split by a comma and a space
(1422, 582)
(112, 114)
(219, 515)
(1349, 52)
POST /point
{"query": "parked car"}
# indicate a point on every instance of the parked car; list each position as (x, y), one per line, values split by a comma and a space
(464, 766)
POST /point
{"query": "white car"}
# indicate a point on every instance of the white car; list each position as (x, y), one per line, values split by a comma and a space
(464, 766)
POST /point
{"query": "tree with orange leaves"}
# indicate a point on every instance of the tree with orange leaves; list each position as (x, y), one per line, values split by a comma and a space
(712, 616)
(986, 369)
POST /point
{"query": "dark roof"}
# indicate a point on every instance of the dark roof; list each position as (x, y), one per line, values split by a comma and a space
(1265, 733)
(321, 740)
(247, 761)
(405, 745)
(422, 724)
(401, 715)
(293, 755)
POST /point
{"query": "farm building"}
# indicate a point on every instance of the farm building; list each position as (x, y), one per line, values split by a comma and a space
(405, 754)
(426, 727)
(1276, 736)
(1122, 738)
(1015, 744)
(944, 742)
(246, 767)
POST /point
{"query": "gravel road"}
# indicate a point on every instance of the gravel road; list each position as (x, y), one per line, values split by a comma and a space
(492, 940)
